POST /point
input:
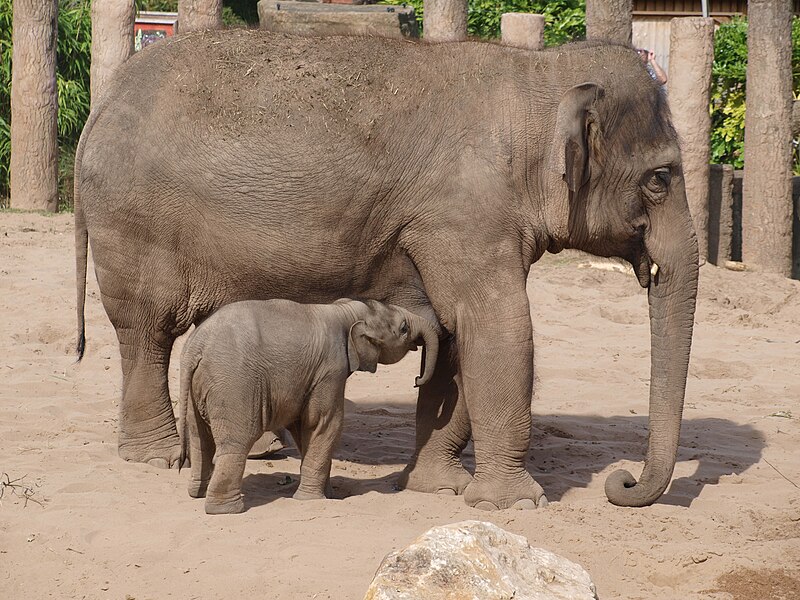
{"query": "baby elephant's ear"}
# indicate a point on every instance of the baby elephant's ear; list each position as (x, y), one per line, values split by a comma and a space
(362, 351)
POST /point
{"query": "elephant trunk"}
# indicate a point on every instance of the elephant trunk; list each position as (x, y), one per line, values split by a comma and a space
(672, 245)
(421, 327)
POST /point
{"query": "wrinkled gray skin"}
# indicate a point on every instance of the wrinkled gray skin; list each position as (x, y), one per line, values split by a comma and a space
(241, 164)
(259, 365)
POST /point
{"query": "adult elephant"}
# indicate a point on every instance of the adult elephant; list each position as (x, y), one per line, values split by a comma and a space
(242, 164)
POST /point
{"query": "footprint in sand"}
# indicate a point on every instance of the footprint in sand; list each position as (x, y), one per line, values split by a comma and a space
(713, 368)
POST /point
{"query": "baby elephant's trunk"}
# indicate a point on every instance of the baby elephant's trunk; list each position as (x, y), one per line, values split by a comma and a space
(421, 327)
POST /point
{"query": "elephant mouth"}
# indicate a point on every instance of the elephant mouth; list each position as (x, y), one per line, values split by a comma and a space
(645, 268)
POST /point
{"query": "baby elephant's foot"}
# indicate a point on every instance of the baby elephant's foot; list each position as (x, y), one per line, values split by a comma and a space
(198, 489)
(225, 507)
(302, 494)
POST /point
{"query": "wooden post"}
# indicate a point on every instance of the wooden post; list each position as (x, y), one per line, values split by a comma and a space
(34, 106)
(444, 20)
(767, 187)
(609, 20)
(112, 39)
(523, 30)
(199, 14)
(691, 55)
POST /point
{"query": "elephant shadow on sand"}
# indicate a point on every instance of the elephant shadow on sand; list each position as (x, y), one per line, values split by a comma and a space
(566, 452)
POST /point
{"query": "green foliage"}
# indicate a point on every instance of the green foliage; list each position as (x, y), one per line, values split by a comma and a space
(565, 19)
(729, 78)
(727, 93)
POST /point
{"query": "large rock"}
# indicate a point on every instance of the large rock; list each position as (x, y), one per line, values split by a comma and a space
(474, 559)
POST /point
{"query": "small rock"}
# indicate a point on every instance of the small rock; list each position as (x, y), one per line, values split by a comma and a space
(733, 265)
(474, 559)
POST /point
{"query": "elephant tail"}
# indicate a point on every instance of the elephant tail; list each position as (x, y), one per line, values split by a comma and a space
(81, 252)
(81, 233)
(189, 362)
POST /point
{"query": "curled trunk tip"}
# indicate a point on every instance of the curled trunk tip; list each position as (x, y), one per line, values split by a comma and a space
(622, 489)
(430, 352)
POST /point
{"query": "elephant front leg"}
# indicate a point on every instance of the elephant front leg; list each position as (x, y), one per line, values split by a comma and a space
(442, 432)
(147, 431)
(496, 358)
(319, 433)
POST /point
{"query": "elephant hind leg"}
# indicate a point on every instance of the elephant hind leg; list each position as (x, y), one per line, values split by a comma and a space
(146, 328)
(443, 431)
(201, 452)
(147, 431)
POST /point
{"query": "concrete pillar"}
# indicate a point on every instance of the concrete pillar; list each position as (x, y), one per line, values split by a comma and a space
(609, 20)
(34, 106)
(112, 39)
(720, 214)
(444, 20)
(523, 30)
(767, 189)
(691, 54)
(199, 14)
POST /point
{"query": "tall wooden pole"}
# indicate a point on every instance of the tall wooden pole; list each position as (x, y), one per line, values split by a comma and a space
(609, 20)
(34, 106)
(199, 14)
(691, 55)
(767, 186)
(445, 20)
(112, 39)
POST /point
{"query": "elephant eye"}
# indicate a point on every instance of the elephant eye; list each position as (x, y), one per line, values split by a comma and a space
(659, 181)
(403, 328)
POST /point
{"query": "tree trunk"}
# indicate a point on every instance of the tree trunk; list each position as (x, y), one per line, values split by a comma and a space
(112, 39)
(444, 20)
(199, 14)
(34, 106)
(609, 20)
(767, 186)
(690, 57)
(523, 30)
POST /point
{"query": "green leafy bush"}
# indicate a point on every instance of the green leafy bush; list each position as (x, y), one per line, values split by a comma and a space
(565, 19)
(729, 78)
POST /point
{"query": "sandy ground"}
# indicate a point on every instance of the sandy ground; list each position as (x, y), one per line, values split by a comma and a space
(97, 527)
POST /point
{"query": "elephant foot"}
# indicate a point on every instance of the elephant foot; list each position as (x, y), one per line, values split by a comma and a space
(225, 506)
(518, 492)
(435, 477)
(306, 495)
(163, 452)
(198, 489)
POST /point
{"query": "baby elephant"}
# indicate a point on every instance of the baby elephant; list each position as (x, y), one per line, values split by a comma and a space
(255, 366)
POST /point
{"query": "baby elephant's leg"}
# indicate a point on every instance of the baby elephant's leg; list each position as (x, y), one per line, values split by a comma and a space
(201, 453)
(224, 494)
(320, 431)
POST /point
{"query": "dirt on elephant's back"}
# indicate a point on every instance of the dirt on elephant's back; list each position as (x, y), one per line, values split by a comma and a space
(249, 77)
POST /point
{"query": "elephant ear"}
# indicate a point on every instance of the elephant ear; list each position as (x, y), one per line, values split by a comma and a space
(576, 114)
(362, 351)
